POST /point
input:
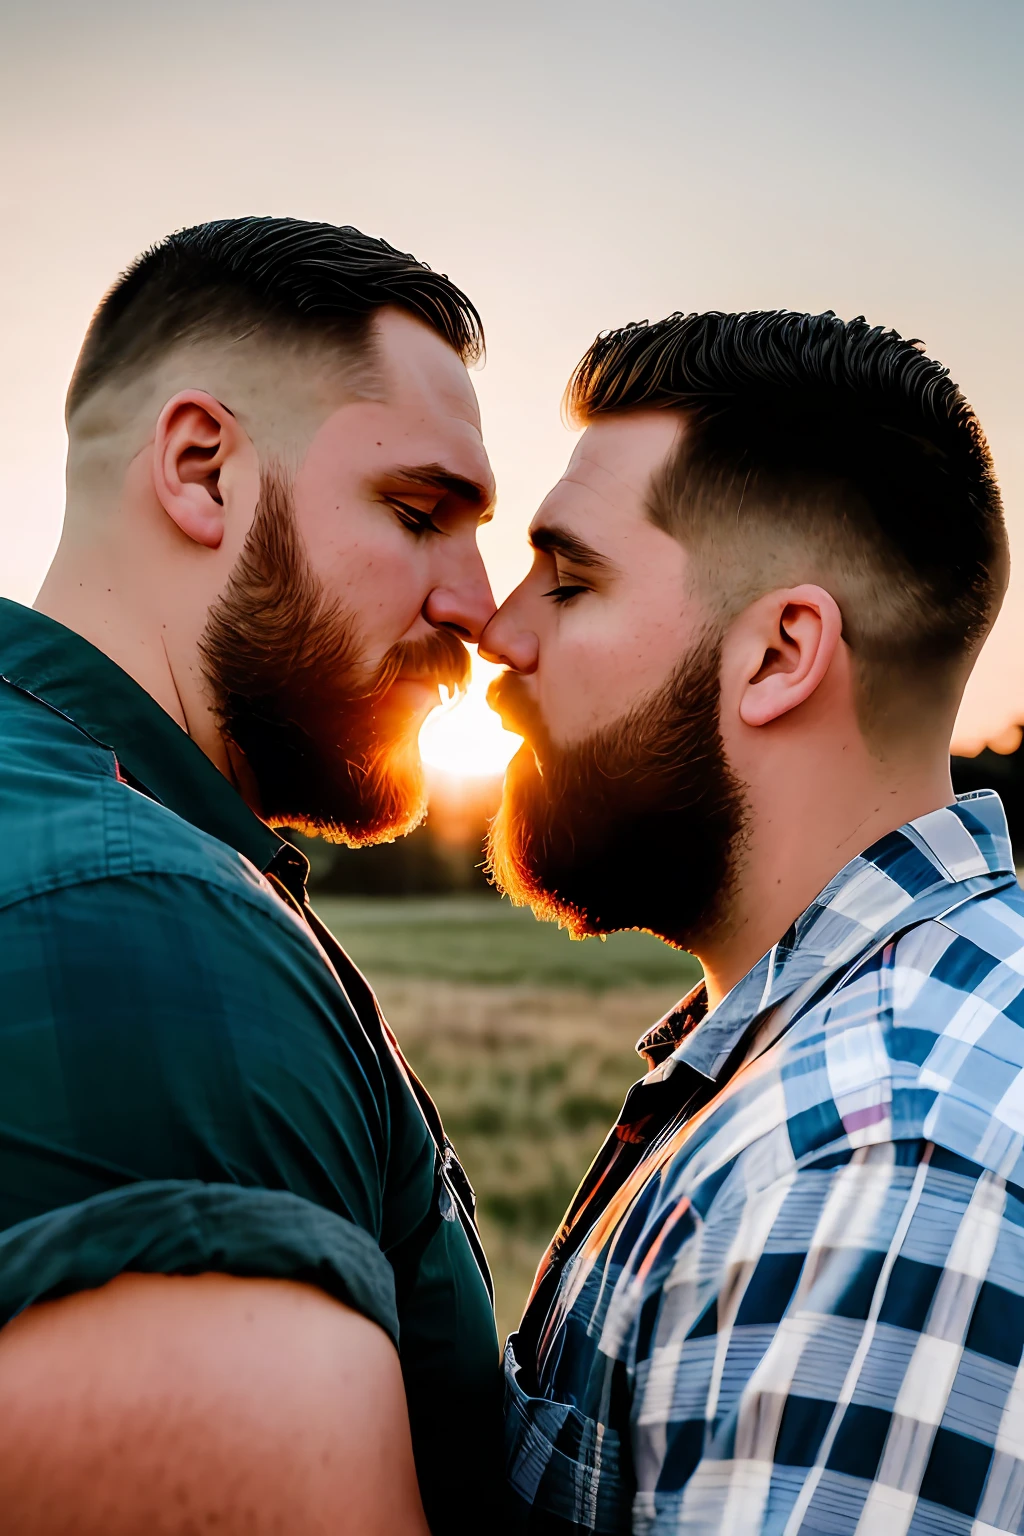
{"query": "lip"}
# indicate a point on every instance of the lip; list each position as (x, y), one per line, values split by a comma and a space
(517, 714)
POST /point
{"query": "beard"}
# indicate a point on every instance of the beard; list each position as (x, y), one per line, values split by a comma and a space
(638, 826)
(331, 751)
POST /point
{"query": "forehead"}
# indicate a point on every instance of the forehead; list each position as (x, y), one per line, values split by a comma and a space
(606, 485)
(420, 371)
(424, 408)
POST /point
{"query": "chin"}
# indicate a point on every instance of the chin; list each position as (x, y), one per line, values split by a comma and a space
(382, 802)
(364, 828)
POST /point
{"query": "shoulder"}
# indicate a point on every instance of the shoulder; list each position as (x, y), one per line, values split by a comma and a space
(53, 786)
(961, 1009)
(954, 952)
(173, 1027)
(949, 978)
(142, 960)
(67, 818)
(189, 945)
(923, 1040)
(105, 889)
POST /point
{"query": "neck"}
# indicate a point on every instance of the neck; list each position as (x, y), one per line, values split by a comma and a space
(87, 590)
(799, 838)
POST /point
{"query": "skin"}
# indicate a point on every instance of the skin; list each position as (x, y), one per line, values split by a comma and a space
(203, 1404)
(158, 1404)
(817, 792)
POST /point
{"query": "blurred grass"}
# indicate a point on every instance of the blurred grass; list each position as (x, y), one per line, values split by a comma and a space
(524, 1038)
(482, 939)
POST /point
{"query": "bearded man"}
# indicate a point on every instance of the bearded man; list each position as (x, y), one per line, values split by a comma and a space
(241, 1280)
(789, 1294)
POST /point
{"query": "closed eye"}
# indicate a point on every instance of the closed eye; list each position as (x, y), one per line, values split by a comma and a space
(412, 517)
(566, 592)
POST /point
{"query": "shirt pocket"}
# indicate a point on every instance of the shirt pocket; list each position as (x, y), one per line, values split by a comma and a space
(563, 1469)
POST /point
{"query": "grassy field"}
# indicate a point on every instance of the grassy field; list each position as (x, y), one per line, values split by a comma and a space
(483, 940)
(524, 1038)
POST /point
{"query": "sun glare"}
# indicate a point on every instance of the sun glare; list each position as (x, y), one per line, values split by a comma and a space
(465, 739)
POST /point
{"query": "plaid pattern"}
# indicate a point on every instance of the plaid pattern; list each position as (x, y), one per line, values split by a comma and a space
(789, 1296)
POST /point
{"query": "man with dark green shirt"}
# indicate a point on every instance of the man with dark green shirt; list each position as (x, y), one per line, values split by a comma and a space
(240, 1280)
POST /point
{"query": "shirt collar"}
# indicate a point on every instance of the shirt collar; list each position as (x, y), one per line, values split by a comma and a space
(917, 872)
(43, 658)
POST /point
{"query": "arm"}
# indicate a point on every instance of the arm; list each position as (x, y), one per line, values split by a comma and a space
(171, 1404)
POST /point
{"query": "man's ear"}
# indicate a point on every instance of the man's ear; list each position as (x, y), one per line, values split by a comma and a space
(793, 637)
(195, 436)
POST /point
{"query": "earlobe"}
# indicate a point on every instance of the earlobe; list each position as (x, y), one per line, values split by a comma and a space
(194, 436)
(795, 634)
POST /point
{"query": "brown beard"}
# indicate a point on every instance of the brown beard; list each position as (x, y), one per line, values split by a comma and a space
(638, 826)
(327, 751)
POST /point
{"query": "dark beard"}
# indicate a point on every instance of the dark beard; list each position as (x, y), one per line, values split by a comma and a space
(636, 827)
(329, 755)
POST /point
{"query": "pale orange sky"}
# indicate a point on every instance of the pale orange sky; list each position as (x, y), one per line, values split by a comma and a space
(571, 165)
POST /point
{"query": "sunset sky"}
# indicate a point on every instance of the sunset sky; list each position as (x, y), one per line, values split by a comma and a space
(572, 166)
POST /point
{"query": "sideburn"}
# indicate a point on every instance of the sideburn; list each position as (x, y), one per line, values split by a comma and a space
(281, 661)
(273, 635)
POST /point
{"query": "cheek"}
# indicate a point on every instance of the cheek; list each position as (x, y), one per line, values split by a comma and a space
(593, 667)
(367, 567)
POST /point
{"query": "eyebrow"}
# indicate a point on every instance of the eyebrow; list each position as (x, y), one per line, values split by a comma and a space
(559, 541)
(437, 478)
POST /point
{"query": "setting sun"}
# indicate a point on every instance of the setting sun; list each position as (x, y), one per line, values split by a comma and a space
(465, 739)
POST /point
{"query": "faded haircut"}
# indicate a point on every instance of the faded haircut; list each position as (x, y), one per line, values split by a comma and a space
(291, 280)
(819, 449)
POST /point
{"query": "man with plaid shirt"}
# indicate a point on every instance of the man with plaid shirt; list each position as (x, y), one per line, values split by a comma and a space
(789, 1294)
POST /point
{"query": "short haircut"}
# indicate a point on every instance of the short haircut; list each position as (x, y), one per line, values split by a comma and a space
(819, 449)
(286, 277)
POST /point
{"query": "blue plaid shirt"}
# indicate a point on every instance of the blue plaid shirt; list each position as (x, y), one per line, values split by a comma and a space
(789, 1295)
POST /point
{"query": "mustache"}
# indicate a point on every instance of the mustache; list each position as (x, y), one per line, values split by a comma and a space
(509, 697)
(440, 658)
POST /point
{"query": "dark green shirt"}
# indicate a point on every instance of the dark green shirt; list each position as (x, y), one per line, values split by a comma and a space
(193, 1075)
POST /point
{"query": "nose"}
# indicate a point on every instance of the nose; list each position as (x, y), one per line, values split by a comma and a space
(465, 604)
(508, 642)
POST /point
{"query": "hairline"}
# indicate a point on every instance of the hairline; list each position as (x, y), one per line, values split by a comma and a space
(357, 357)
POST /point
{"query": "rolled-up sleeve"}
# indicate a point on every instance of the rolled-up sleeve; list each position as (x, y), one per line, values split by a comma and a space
(169, 1228)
